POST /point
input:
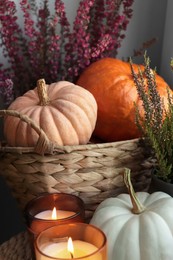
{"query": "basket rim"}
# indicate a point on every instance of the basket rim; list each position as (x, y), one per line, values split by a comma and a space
(69, 148)
(46, 146)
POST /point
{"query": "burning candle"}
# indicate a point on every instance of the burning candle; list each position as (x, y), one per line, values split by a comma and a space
(67, 209)
(71, 249)
(71, 241)
(54, 214)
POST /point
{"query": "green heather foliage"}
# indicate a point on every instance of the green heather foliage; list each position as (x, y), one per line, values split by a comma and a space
(157, 132)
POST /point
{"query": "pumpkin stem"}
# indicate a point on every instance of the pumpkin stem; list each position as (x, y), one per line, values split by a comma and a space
(137, 205)
(42, 92)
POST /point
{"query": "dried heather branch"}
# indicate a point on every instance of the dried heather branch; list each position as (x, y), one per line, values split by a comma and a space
(145, 45)
(156, 124)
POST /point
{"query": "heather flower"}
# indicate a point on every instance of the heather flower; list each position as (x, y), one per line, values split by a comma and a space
(45, 46)
(10, 39)
(6, 86)
(61, 18)
(103, 43)
(79, 40)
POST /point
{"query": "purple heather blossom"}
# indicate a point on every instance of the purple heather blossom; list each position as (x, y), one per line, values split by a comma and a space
(102, 46)
(79, 40)
(45, 47)
(58, 41)
(6, 86)
(28, 22)
(32, 35)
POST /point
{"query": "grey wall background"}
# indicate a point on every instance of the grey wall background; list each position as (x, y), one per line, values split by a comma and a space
(151, 18)
(148, 22)
(167, 46)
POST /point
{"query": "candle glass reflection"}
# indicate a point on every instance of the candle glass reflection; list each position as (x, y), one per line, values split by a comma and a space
(70, 208)
(89, 243)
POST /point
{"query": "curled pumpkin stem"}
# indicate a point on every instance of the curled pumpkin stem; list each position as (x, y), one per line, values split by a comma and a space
(42, 92)
(137, 205)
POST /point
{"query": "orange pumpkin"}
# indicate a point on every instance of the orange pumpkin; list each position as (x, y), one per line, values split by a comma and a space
(66, 112)
(110, 81)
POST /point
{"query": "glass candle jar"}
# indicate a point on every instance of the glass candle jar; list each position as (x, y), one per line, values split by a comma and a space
(88, 243)
(48, 210)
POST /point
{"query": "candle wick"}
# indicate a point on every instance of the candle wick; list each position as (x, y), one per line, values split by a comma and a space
(71, 255)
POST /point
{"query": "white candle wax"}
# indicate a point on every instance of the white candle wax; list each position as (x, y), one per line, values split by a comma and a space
(47, 214)
(59, 250)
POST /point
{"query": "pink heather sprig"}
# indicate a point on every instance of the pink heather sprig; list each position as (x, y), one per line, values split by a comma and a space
(102, 46)
(101, 30)
(98, 37)
(118, 14)
(43, 40)
(36, 34)
(6, 87)
(80, 40)
(45, 47)
(98, 22)
(11, 36)
(28, 22)
(60, 19)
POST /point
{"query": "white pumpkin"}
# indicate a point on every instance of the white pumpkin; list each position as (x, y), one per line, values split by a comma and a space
(143, 231)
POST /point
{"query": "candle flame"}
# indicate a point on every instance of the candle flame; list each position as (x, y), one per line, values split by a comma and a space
(70, 247)
(54, 215)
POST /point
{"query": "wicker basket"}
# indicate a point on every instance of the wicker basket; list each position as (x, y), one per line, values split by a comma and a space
(90, 171)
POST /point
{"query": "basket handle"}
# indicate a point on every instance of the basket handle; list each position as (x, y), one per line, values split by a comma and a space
(43, 145)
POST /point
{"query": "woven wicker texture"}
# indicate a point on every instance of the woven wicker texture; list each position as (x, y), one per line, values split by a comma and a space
(92, 171)
(17, 248)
